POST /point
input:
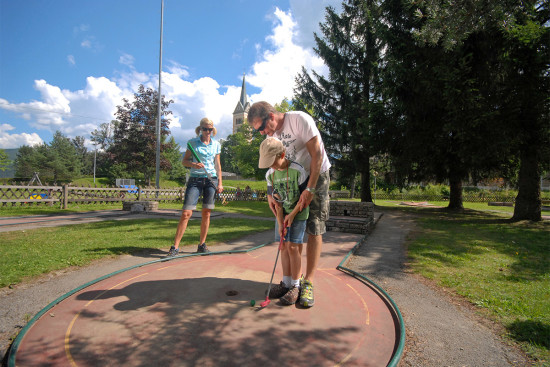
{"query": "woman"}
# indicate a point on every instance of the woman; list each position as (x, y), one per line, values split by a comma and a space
(208, 150)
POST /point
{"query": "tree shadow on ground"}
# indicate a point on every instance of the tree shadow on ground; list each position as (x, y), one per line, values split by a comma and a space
(531, 331)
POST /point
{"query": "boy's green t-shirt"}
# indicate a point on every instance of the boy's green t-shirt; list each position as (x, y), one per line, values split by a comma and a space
(288, 185)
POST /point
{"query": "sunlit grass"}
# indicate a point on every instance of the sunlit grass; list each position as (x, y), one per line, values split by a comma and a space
(24, 254)
(499, 266)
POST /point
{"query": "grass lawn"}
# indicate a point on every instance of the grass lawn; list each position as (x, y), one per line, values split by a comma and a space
(24, 254)
(500, 266)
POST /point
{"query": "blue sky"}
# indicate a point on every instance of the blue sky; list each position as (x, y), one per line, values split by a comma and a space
(66, 64)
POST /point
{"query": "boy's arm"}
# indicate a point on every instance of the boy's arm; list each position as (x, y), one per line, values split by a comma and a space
(290, 217)
(280, 218)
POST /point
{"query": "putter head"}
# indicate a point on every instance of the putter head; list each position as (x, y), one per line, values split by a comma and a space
(265, 303)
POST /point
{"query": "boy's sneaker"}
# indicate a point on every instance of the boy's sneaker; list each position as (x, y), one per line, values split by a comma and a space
(173, 251)
(291, 296)
(306, 294)
(202, 248)
(278, 290)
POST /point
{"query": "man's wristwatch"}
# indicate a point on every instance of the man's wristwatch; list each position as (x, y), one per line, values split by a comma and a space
(311, 189)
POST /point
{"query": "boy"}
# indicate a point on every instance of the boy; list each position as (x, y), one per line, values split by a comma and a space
(286, 180)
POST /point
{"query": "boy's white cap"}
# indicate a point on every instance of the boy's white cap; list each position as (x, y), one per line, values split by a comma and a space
(269, 150)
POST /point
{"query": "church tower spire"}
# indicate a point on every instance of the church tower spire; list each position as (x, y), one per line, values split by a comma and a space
(241, 110)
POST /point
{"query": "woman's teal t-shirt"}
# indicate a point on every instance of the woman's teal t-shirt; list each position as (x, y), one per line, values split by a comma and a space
(206, 153)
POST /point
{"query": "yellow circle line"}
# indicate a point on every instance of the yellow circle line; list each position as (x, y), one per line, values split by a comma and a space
(367, 319)
(71, 324)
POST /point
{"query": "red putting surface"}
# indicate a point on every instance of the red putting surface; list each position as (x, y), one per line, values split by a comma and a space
(195, 311)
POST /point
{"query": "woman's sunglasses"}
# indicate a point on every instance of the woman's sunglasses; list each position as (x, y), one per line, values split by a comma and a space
(207, 129)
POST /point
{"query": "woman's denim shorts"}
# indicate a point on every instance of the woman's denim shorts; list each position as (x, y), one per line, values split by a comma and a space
(197, 186)
(295, 234)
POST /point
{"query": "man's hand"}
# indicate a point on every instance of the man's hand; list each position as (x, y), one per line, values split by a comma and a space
(305, 199)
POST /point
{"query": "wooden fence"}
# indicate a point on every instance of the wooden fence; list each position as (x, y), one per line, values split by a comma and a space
(66, 194)
(472, 197)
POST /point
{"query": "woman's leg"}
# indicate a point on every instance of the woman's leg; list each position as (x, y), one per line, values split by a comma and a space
(205, 224)
(182, 226)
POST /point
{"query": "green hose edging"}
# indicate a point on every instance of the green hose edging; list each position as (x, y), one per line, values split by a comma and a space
(401, 345)
(393, 362)
(15, 345)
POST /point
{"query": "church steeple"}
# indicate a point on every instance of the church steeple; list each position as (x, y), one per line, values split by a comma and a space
(243, 93)
(241, 110)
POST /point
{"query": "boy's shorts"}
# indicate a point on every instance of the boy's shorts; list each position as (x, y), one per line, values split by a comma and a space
(319, 206)
(295, 234)
(197, 186)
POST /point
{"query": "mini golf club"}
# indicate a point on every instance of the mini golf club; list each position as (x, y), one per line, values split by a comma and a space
(267, 300)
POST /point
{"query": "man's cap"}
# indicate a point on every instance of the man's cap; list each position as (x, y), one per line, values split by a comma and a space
(269, 150)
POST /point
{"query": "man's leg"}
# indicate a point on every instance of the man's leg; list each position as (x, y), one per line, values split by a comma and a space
(318, 214)
(313, 253)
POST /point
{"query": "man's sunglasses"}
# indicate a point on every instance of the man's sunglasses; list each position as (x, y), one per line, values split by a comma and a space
(262, 126)
(207, 129)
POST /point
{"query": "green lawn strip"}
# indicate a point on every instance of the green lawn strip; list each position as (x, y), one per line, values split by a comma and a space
(30, 253)
(497, 265)
(257, 208)
(505, 211)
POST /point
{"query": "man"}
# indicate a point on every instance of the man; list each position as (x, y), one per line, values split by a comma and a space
(303, 144)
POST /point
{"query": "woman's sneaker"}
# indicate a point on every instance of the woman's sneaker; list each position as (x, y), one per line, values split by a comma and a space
(173, 251)
(278, 290)
(306, 294)
(291, 296)
(202, 248)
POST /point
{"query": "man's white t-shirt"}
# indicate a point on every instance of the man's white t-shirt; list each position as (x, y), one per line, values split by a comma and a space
(299, 128)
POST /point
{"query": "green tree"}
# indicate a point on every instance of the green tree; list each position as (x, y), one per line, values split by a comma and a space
(516, 83)
(25, 164)
(173, 155)
(102, 137)
(5, 162)
(58, 161)
(64, 158)
(134, 135)
(240, 152)
(347, 102)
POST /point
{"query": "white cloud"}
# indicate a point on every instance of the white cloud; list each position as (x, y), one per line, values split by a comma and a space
(71, 60)
(81, 28)
(126, 59)
(274, 74)
(79, 112)
(177, 69)
(11, 141)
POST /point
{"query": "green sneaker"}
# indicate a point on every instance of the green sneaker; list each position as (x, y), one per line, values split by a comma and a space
(306, 294)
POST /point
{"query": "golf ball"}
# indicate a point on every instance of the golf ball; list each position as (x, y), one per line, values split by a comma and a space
(252, 303)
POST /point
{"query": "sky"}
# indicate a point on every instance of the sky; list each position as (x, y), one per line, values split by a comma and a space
(65, 65)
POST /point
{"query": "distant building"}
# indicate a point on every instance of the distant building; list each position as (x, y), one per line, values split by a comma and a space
(241, 111)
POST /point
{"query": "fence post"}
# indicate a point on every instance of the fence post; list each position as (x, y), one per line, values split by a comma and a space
(139, 193)
(65, 196)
